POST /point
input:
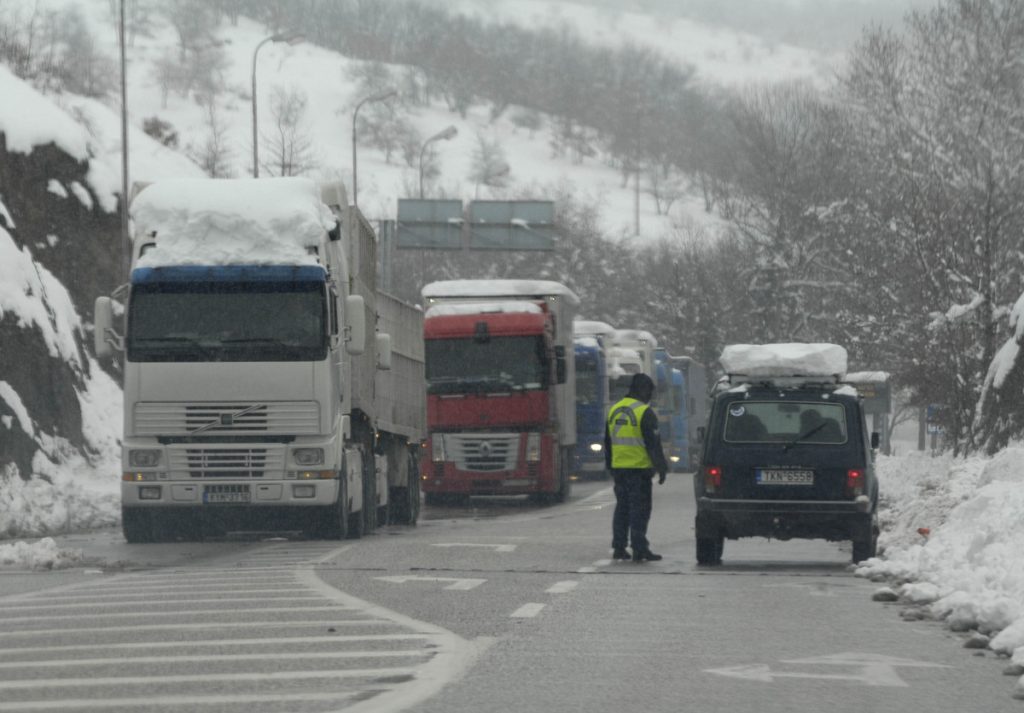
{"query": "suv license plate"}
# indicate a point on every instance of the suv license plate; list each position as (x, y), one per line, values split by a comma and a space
(784, 477)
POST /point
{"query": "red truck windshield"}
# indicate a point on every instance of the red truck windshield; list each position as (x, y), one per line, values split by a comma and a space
(495, 364)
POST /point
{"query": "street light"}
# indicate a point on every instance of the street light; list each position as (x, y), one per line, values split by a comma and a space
(291, 38)
(126, 240)
(445, 135)
(355, 114)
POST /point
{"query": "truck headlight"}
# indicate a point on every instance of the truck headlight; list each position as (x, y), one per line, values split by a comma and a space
(143, 458)
(596, 447)
(437, 448)
(308, 456)
(533, 446)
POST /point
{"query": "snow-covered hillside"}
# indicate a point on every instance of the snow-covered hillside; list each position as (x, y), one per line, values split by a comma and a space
(325, 79)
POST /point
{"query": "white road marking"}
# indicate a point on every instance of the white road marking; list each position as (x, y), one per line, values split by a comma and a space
(255, 677)
(188, 658)
(602, 563)
(149, 645)
(562, 587)
(495, 547)
(603, 494)
(155, 614)
(459, 584)
(300, 597)
(149, 701)
(875, 669)
(277, 624)
(586, 570)
(528, 611)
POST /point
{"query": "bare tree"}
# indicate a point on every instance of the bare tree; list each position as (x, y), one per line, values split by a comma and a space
(290, 144)
(214, 154)
(489, 165)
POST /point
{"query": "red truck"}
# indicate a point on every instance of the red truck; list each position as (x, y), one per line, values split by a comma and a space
(501, 390)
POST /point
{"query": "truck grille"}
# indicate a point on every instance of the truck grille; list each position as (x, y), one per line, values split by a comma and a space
(271, 418)
(483, 453)
(225, 461)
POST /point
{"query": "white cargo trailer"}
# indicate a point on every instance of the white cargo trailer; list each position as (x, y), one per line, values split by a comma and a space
(253, 397)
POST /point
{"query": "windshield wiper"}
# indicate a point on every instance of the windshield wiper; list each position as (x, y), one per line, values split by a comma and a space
(257, 340)
(803, 436)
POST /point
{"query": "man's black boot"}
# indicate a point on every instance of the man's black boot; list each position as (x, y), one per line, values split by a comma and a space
(646, 556)
(620, 554)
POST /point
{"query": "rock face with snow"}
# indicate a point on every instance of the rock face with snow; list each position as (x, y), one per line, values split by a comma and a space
(54, 259)
(57, 239)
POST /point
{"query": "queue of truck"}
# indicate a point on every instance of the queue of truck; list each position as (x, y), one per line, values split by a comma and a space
(268, 378)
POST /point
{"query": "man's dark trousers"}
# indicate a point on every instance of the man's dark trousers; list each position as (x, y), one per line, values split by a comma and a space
(632, 508)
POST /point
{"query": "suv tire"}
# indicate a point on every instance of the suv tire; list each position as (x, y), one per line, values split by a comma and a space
(709, 550)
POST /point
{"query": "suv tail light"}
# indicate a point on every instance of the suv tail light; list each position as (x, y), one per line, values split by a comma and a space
(855, 482)
(712, 478)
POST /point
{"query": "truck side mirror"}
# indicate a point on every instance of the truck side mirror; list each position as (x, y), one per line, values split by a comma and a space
(701, 434)
(875, 440)
(105, 339)
(560, 370)
(355, 325)
(383, 351)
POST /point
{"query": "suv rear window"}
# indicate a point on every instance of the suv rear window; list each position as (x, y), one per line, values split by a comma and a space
(784, 422)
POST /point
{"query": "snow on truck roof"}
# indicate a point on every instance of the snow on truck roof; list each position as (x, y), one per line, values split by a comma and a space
(588, 327)
(498, 288)
(264, 221)
(462, 308)
(763, 361)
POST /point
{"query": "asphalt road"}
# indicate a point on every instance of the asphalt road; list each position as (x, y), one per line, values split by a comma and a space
(498, 606)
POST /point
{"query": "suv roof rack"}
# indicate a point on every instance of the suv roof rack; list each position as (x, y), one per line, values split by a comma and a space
(783, 381)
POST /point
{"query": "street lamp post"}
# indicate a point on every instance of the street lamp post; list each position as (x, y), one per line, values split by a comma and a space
(355, 115)
(291, 38)
(126, 241)
(445, 135)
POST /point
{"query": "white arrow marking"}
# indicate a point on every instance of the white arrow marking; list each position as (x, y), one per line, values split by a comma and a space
(876, 675)
(496, 548)
(456, 583)
(854, 659)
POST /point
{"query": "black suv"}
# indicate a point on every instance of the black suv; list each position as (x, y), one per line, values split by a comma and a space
(786, 461)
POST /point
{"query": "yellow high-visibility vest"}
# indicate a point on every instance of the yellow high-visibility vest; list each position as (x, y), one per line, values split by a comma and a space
(628, 450)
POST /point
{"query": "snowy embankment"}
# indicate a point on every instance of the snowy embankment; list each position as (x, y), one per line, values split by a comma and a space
(952, 542)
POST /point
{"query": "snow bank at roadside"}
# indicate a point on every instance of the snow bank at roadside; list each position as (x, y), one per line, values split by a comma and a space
(953, 539)
(44, 554)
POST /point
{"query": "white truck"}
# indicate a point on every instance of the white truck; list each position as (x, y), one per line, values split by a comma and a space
(253, 399)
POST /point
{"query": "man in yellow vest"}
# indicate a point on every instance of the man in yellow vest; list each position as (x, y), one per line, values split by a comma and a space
(632, 448)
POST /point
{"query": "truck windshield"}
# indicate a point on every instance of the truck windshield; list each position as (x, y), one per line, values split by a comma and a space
(497, 364)
(237, 321)
(587, 391)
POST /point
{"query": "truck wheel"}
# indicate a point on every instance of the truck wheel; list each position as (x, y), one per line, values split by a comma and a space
(709, 550)
(405, 501)
(564, 481)
(332, 522)
(137, 525)
(369, 493)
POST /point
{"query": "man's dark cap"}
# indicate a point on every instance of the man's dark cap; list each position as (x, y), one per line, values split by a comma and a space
(641, 387)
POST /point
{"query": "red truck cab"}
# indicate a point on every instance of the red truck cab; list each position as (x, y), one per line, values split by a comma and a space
(495, 374)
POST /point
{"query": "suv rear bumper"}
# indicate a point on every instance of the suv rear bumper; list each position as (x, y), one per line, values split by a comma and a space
(860, 505)
(836, 520)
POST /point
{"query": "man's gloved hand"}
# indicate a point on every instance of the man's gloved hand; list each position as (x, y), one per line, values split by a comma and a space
(661, 478)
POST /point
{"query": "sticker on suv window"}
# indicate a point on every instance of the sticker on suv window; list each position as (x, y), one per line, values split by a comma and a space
(737, 411)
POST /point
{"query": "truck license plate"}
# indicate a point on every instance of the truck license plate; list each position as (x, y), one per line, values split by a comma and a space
(226, 495)
(784, 477)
